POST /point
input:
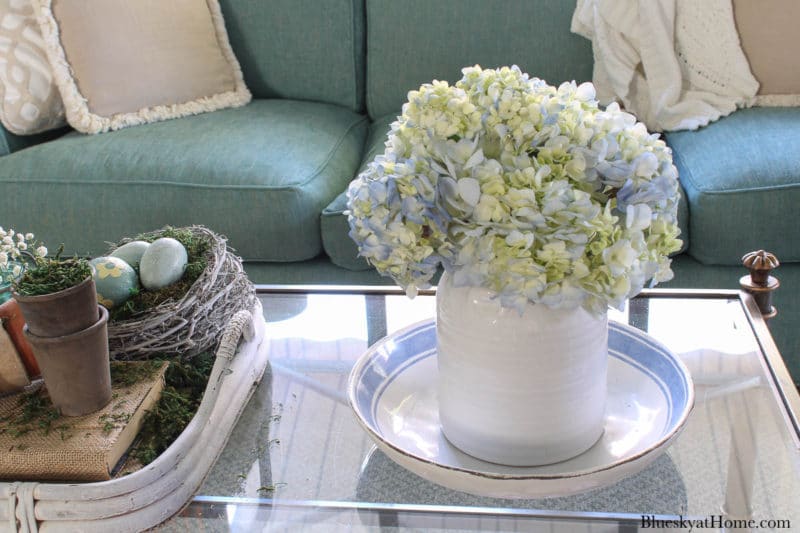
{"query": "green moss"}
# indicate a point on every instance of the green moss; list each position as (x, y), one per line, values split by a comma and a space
(125, 374)
(185, 383)
(38, 413)
(269, 489)
(141, 301)
(109, 421)
(53, 275)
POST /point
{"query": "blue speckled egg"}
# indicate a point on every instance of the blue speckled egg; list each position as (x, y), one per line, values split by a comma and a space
(131, 252)
(114, 280)
(163, 263)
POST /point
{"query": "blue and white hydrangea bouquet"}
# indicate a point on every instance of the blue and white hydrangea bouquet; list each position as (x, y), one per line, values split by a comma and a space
(531, 191)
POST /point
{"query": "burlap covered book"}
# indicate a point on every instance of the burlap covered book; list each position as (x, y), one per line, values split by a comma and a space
(39, 444)
(12, 372)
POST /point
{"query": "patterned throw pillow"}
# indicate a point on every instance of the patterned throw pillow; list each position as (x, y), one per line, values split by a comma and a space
(29, 99)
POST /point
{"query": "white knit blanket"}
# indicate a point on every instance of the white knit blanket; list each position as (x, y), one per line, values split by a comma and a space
(675, 64)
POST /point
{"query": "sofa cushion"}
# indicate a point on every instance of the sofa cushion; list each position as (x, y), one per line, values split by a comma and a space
(338, 245)
(411, 42)
(300, 49)
(742, 183)
(260, 174)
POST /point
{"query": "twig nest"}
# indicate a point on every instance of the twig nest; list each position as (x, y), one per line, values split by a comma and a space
(194, 323)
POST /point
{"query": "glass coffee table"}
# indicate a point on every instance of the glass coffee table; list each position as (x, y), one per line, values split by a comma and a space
(298, 460)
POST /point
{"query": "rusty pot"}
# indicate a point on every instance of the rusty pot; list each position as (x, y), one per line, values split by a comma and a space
(13, 322)
(60, 313)
(75, 367)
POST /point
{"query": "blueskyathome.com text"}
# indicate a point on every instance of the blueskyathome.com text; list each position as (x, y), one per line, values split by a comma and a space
(711, 522)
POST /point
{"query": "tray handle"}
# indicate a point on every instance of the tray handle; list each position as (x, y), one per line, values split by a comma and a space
(241, 325)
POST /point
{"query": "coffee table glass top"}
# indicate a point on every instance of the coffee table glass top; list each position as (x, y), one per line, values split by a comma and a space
(298, 458)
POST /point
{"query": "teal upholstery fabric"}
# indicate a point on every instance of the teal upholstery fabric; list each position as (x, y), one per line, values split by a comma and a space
(335, 239)
(318, 271)
(742, 181)
(376, 141)
(10, 143)
(259, 174)
(300, 49)
(683, 220)
(410, 42)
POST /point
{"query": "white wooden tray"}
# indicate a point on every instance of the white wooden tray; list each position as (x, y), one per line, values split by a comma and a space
(146, 498)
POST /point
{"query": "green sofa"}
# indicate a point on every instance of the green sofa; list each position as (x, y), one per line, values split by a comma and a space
(328, 77)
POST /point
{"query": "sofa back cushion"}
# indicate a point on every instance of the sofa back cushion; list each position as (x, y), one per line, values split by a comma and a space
(410, 42)
(300, 49)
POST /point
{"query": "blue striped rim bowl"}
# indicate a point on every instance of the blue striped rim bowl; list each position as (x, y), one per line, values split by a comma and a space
(392, 390)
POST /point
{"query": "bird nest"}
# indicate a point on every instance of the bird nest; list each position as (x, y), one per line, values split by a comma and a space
(193, 323)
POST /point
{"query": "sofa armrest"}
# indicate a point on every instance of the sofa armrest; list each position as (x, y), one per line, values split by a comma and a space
(10, 142)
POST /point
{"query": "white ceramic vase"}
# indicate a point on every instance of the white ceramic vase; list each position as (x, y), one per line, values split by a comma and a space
(519, 389)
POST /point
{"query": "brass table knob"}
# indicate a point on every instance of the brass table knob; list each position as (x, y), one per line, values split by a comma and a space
(759, 282)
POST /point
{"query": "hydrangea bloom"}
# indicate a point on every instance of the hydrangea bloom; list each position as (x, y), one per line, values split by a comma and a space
(529, 190)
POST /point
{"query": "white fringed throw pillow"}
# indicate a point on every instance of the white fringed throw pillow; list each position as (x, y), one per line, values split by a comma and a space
(120, 63)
